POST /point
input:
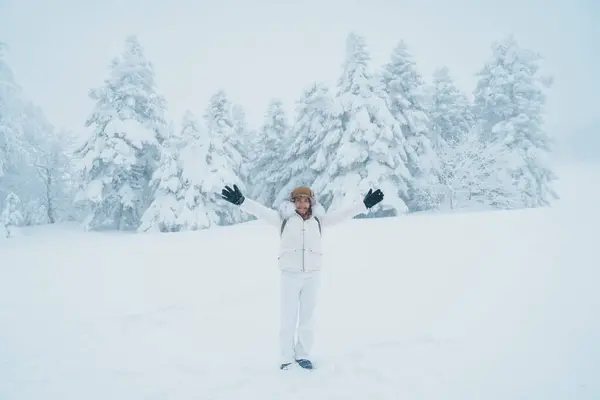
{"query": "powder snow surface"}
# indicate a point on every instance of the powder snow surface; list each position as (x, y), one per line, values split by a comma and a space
(483, 305)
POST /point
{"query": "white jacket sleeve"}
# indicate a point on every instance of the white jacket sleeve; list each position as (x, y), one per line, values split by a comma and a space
(261, 212)
(336, 217)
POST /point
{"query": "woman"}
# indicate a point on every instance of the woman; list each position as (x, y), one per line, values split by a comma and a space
(300, 221)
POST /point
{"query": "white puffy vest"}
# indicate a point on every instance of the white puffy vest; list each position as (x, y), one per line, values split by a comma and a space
(300, 246)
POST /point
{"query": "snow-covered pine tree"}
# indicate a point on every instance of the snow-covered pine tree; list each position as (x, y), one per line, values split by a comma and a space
(222, 130)
(163, 214)
(405, 89)
(123, 150)
(366, 143)
(208, 162)
(450, 109)
(509, 102)
(306, 158)
(273, 141)
(193, 165)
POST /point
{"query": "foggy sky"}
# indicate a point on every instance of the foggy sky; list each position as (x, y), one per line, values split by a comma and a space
(260, 49)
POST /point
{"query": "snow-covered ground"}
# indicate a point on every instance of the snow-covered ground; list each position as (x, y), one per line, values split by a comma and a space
(500, 305)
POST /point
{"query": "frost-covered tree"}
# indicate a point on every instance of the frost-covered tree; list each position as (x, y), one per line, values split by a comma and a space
(509, 107)
(34, 156)
(366, 142)
(51, 170)
(306, 158)
(223, 132)
(474, 175)
(450, 109)
(35, 140)
(11, 149)
(13, 152)
(60, 179)
(210, 162)
(194, 171)
(21, 178)
(121, 154)
(273, 140)
(240, 129)
(405, 89)
(11, 213)
(169, 187)
(242, 141)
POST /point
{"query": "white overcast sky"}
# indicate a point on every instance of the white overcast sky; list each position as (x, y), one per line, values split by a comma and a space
(259, 49)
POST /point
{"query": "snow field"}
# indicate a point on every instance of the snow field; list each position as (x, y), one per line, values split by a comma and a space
(494, 305)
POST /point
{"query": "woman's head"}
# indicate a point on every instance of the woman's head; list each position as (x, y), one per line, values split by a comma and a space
(303, 199)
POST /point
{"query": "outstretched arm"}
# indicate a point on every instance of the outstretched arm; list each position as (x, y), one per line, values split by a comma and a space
(235, 196)
(259, 211)
(369, 201)
(336, 217)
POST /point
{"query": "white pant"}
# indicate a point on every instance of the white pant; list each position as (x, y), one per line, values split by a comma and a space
(298, 300)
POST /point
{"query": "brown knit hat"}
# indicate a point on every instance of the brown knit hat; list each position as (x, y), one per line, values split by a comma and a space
(301, 191)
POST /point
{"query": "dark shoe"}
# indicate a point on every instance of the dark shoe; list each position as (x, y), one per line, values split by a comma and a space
(285, 366)
(306, 364)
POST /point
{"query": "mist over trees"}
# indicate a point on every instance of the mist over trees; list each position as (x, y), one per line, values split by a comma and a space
(427, 144)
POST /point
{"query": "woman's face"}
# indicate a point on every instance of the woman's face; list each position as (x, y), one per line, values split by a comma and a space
(302, 204)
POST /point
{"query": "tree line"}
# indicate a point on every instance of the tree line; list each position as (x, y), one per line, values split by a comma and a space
(428, 145)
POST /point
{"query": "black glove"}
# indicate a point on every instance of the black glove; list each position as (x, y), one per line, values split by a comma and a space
(233, 196)
(373, 198)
